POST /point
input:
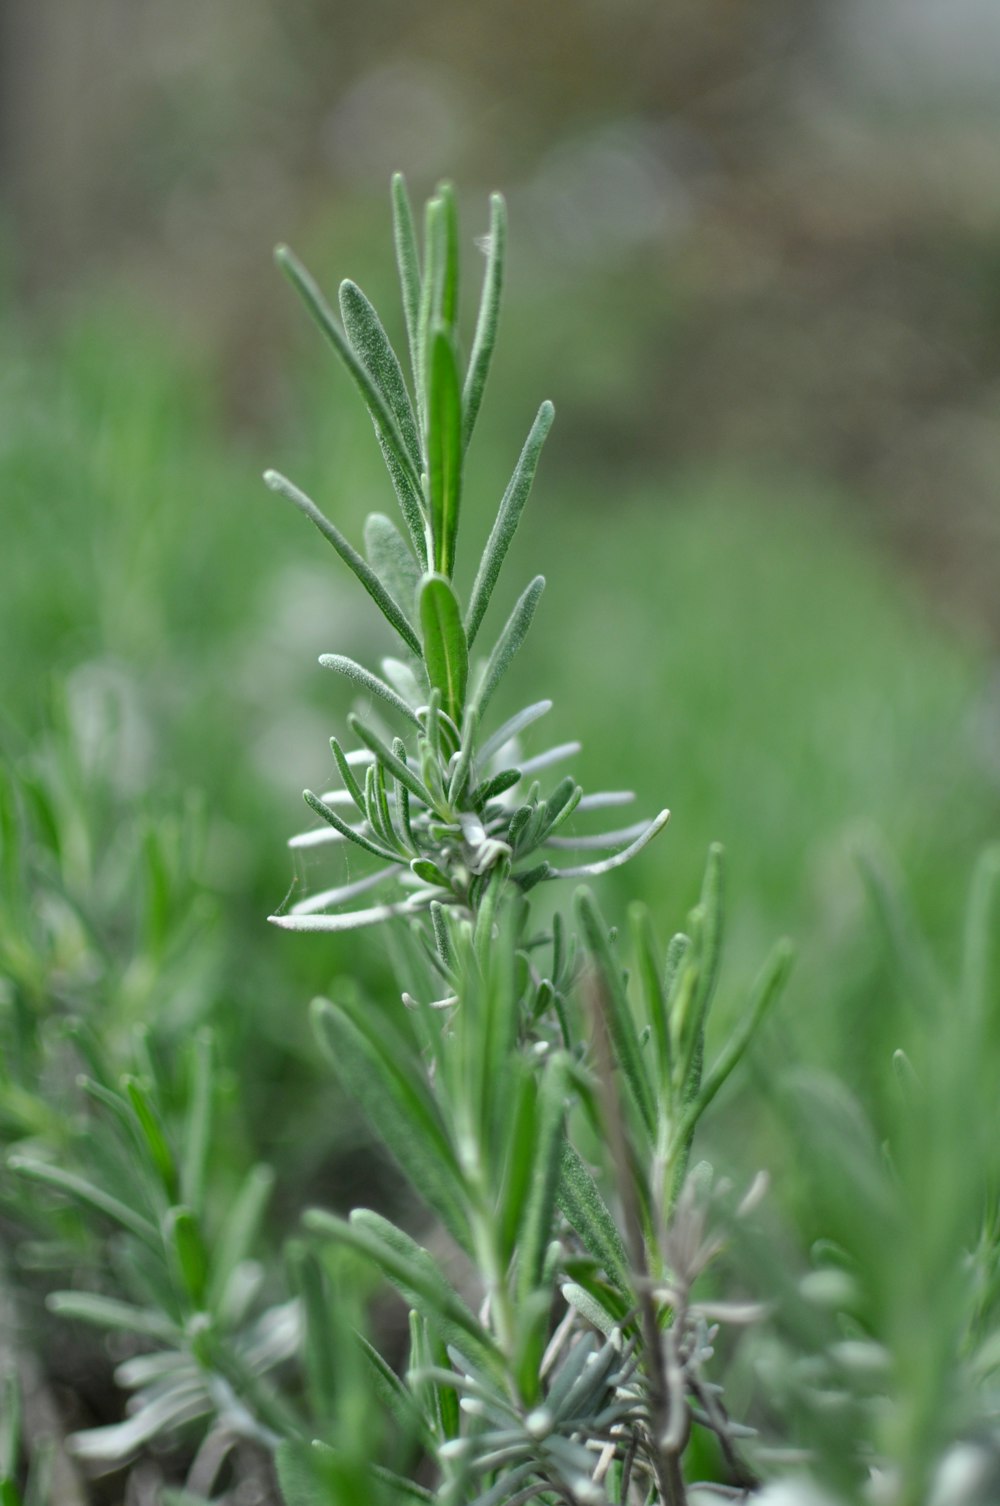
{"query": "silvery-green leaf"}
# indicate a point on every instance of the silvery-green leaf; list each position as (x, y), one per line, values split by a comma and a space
(393, 561)
(484, 339)
(328, 898)
(510, 640)
(617, 1011)
(404, 681)
(508, 516)
(594, 870)
(513, 727)
(600, 839)
(371, 345)
(365, 574)
(378, 407)
(408, 266)
(371, 683)
(352, 833)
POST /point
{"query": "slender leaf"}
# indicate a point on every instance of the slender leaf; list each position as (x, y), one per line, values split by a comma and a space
(393, 561)
(507, 519)
(507, 645)
(444, 449)
(365, 574)
(765, 992)
(618, 859)
(618, 1012)
(155, 1140)
(183, 1238)
(513, 727)
(408, 264)
(198, 1125)
(373, 1064)
(415, 1274)
(536, 1229)
(654, 992)
(351, 833)
(240, 1230)
(351, 784)
(446, 653)
(390, 761)
(376, 403)
(109, 1313)
(372, 347)
(578, 1197)
(370, 683)
(84, 1192)
(488, 318)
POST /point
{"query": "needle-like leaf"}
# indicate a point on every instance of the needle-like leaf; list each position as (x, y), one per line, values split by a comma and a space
(444, 449)
(489, 313)
(507, 519)
(370, 683)
(371, 345)
(507, 645)
(392, 612)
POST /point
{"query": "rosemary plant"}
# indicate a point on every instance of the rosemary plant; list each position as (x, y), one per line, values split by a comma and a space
(540, 1100)
(513, 1079)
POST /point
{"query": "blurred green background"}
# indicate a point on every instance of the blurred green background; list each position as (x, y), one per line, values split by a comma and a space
(755, 263)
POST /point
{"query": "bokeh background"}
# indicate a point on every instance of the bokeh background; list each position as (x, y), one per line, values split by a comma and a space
(756, 264)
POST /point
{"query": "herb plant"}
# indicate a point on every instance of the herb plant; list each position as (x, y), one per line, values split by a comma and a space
(563, 1269)
(513, 1076)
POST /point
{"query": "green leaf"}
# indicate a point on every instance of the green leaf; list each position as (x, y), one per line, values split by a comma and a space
(370, 683)
(379, 409)
(331, 817)
(109, 1313)
(319, 1335)
(373, 1063)
(507, 519)
(578, 1197)
(617, 859)
(446, 653)
(416, 1274)
(372, 347)
(239, 1232)
(444, 450)
(365, 574)
(618, 1013)
(519, 1163)
(442, 257)
(507, 645)
(152, 1133)
(346, 773)
(651, 980)
(408, 266)
(536, 1228)
(85, 1193)
(488, 318)
(304, 1478)
(198, 1125)
(183, 1239)
(391, 761)
(764, 993)
(393, 561)
(591, 1308)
